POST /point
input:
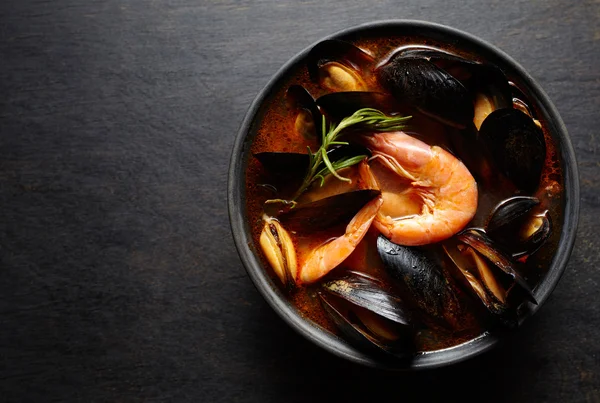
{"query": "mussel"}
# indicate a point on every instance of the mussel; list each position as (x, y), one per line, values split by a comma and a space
(448, 87)
(491, 92)
(509, 226)
(481, 242)
(325, 213)
(339, 66)
(533, 235)
(291, 164)
(339, 105)
(474, 153)
(432, 90)
(421, 281)
(521, 102)
(478, 278)
(367, 314)
(284, 163)
(485, 262)
(367, 292)
(280, 251)
(308, 116)
(507, 212)
(517, 145)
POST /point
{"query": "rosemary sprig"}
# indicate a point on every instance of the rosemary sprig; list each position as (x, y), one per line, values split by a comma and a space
(366, 119)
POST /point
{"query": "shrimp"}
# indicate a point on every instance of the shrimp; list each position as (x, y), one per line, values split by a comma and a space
(442, 183)
(329, 255)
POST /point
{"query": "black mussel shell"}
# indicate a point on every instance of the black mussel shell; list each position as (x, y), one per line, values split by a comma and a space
(509, 210)
(296, 164)
(284, 163)
(475, 284)
(521, 101)
(490, 81)
(367, 292)
(339, 105)
(299, 98)
(490, 91)
(432, 90)
(325, 213)
(358, 334)
(473, 152)
(517, 145)
(479, 241)
(420, 279)
(333, 50)
(458, 67)
(531, 244)
(475, 76)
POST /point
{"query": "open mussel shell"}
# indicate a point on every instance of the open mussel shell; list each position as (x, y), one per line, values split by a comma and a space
(478, 279)
(338, 65)
(479, 241)
(298, 97)
(517, 145)
(475, 76)
(308, 118)
(469, 147)
(366, 330)
(509, 210)
(491, 91)
(367, 292)
(296, 164)
(279, 250)
(339, 105)
(420, 279)
(326, 213)
(533, 235)
(283, 163)
(459, 67)
(512, 226)
(520, 101)
(432, 90)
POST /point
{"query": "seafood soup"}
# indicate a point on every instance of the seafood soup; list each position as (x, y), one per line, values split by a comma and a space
(405, 195)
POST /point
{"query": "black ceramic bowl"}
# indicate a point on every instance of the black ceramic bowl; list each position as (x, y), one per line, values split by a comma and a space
(272, 292)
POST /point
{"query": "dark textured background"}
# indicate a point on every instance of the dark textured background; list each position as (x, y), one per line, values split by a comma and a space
(119, 281)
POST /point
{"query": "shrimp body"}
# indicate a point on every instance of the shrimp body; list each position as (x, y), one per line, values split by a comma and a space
(441, 182)
(328, 256)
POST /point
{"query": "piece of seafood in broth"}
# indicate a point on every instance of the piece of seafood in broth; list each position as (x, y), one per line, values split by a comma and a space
(338, 105)
(477, 276)
(479, 241)
(517, 145)
(340, 66)
(421, 281)
(444, 187)
(279, 250)
(512, 226)
(417, 81)
(308, 116)
(367, 313)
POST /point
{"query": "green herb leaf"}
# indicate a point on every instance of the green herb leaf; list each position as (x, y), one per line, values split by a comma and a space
(367, 119)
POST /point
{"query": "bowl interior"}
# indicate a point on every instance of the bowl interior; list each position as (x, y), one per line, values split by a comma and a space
(272, 293)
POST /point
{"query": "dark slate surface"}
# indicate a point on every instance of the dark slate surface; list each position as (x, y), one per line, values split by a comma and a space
(119, 281)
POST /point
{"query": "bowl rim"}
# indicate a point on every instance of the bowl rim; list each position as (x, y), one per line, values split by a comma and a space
(332, 343)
